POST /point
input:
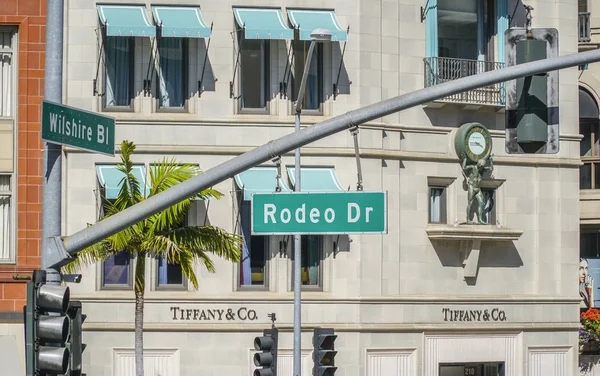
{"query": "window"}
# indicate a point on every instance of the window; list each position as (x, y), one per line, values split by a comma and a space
(313, 95)
(5, 218)
(116, 271)
(169, 275)
(253, 263)
(119, 72)
(254, 73)
(437, 205)
(589, 268)
(311, 267)
(589, 177)
(172, 73)
(489, 210)
(7, 76)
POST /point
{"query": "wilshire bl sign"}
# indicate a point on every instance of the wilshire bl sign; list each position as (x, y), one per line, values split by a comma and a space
(319, 213)
(78, 128)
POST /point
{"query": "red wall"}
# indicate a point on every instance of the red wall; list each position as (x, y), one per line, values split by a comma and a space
(30, 18)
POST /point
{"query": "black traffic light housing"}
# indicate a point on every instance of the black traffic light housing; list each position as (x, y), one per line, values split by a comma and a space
(75, 343)
(532, 103)
(324, 352)
(266, 359)
(46, 335)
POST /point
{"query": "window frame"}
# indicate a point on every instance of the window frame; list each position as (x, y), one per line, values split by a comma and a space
(266, 71)
(320, 78)
(131, 266)
(132, 70)
(12, 231)
(593, 160)
(492, 216)
(14, 63)
(443, 204)
(183, 286)
(185, 46)
(116, 286)
(267, 254)
(319, 286)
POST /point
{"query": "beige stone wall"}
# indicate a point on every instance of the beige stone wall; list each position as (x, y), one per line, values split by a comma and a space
(384, 291)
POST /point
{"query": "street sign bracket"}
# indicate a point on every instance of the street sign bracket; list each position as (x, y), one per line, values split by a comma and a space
(354, 131)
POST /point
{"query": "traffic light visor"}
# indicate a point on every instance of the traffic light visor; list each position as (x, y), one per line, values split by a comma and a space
(53, 328)
(263, 343)
(53, 359)
(263, 372)
(53, 298)
(263, 359)
(326, 341)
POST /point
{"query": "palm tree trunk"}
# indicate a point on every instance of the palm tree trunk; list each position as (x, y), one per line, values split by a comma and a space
(139, 314)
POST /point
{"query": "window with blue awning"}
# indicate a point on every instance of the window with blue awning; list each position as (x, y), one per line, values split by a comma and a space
(263, 23)
(180, 21)
(126, 20)
(307, 20)
(259, 180)
(111, 180)
(316, 179)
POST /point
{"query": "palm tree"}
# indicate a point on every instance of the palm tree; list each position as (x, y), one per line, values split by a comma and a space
(162, 235)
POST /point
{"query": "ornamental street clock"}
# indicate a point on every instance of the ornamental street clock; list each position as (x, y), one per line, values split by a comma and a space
(473, 141)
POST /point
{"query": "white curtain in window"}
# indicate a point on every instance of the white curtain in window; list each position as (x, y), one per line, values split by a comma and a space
(117, 71)
(435, 205)
(5, 230)
(6, 76)
(170, 73)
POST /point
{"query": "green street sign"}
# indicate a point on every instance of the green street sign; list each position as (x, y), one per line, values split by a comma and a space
(78, 128)
(319, 213)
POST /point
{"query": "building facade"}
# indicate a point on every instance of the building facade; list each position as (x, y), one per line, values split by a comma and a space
(206, 81)
(22, 46)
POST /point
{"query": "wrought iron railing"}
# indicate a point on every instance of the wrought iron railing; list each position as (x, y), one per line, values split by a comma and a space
(584, 27)
(444, 69)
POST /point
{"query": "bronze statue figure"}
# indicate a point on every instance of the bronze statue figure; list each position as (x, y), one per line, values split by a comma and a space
(474, 175)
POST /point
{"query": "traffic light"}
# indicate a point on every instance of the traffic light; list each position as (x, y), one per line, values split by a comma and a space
(324, 352)
(267, 357)
(531, 116)
(46, 327)
(76, 346)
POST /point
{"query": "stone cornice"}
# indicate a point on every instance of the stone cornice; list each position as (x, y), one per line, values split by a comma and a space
(525, 160)
(373, 328)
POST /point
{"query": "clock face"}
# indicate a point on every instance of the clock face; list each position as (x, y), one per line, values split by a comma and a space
(477, 143)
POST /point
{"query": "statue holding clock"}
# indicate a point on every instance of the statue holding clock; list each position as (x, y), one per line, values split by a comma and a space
(473, 144)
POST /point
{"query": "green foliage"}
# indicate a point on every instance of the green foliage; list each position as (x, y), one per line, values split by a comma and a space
(162, 234)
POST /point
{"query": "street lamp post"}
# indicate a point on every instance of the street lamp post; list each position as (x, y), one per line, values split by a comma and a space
(317, 35)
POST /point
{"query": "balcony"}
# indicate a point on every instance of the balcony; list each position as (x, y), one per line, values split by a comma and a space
(583, 27)
(443, 69)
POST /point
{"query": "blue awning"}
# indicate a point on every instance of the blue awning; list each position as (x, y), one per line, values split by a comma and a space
(180, 21)
(263, 23)
(259, 179)
(306, 20)
(110, 178)
(126, 20)
(316, 179)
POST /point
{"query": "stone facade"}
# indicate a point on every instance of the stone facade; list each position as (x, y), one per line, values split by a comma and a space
(400, 302)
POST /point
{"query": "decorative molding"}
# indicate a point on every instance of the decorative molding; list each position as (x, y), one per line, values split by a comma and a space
(391, 362)
(472, 232)
(471, 238)
(480, 348)
(163, 362)
(346, 152)
(317, 298)
(549, 361)
(440, 181)
(495, 327)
